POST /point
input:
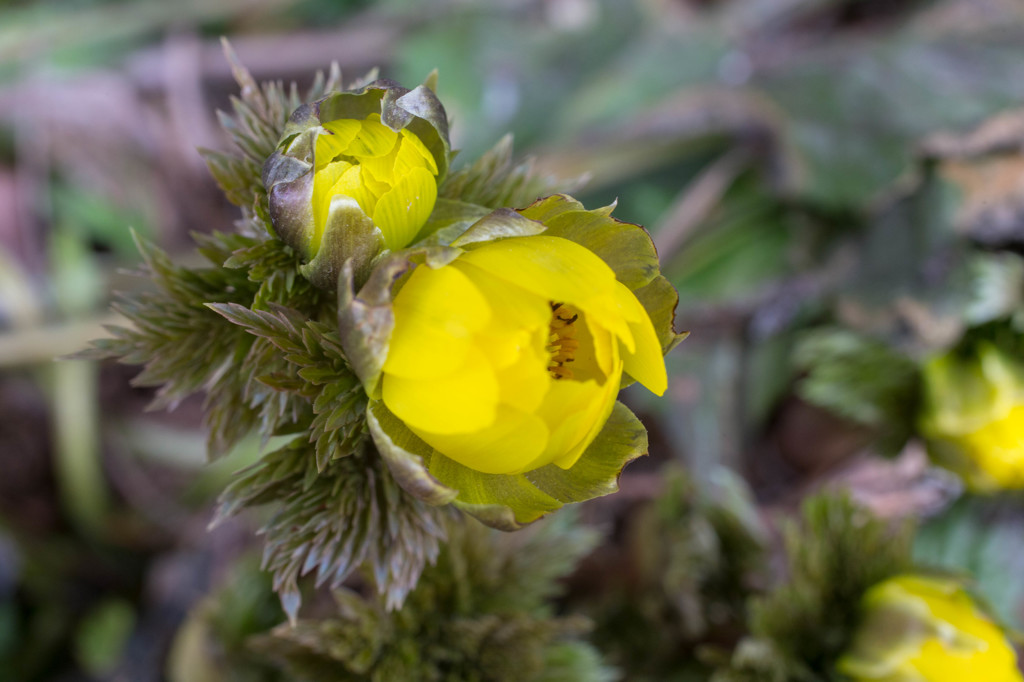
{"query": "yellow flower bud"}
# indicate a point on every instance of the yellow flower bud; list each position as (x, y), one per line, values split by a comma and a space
(923, 629)
(390, 174)
(510, 357)
(974, 417)
(356, 174)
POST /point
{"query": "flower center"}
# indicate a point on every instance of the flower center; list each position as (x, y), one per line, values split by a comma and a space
(562, 343)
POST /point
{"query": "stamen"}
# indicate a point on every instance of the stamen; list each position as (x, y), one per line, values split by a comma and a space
(561, 343)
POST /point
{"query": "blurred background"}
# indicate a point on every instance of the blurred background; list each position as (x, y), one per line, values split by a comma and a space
(829, 182)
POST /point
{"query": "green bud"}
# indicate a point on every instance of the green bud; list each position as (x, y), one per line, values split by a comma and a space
(355, 174)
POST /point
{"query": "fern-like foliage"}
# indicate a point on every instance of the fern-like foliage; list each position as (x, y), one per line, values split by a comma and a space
(330, 522)
(314, 370)
(483, 612)
(187, 348)
(799, 630)
(249, 332)
(497, 180)
(259, 115)
(692, 560)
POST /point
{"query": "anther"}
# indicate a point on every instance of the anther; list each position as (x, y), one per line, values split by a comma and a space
(561, 344)
(559, 372)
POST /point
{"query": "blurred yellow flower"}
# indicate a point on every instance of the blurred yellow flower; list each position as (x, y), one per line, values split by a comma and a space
(510, 357)
(974, 417)
(390, 174)
(923, 629)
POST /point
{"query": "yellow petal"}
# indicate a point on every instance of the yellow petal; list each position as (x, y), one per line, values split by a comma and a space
(996, 450)
(577, 430)
(464, 401)
(336, 140)
(514, 340)
(952, 639)
(601, 411)
(414, 154)
(507, 447)
(382, 168)
(525, 383)
(402, 158)
(429, 354)
(323, 181)
(402, 211)
(520, 323)
(374, 184)
(645, 362)
(407, 154)
(551, 267)
(350, 184)
(437, 313)
(937, 663)
(374, 139)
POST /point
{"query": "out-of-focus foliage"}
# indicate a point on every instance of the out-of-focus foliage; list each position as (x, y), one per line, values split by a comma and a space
(213, 643)
(689, 561)
(799, 630)
(483, 612)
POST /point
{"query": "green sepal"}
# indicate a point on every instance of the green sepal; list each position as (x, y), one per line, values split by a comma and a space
(289, 184)
(503, 501)
(659, 298)
(449, 219)
(622, 440)
(500, 224)
(349, 235)
(403, 452)
(507, 501)
(366, 319)
(424, 105)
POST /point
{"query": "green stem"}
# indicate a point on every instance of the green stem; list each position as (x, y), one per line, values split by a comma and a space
(78, 459)
(41, 345)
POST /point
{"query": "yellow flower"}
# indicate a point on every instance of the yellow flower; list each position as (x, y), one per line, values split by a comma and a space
(974, 417)
(510, 357)
(922, 629)
(492, 357)
(390, 174)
